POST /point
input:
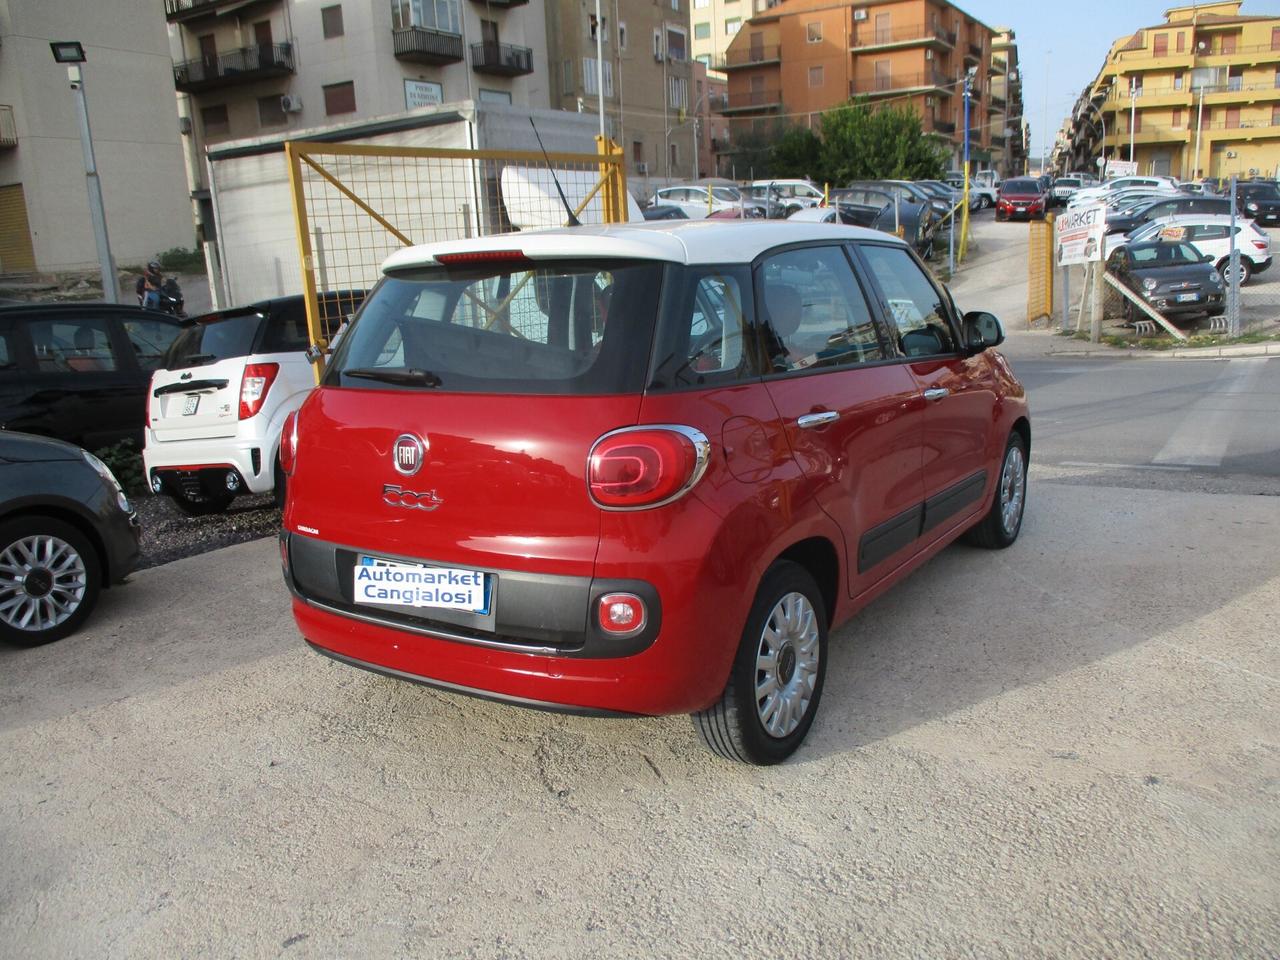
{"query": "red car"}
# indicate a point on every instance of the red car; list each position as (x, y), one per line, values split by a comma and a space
(643, 469)
(1022, 198)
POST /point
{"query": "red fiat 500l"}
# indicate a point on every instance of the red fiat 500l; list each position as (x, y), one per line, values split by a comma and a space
(643, 469)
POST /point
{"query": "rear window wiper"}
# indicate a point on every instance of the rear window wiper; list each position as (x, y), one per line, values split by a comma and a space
(198, 359)
(406, 375)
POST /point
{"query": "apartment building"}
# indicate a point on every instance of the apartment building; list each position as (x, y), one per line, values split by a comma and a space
(252, 68)
(716, 22)
(1197, 95)
(650, 102)
(1008, 138)
(710, 90)
(44, 205)
(803, 57)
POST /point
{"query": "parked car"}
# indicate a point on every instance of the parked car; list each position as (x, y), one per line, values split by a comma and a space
(644, 511)
(1260, 199)
(791, 195)
(1129, 219)
(79, 371)
(948, 194)
(1210, 235)
(1063, 188)
(738, 213)
(898, 210)
(692, 199)
(981, 193)
(1172, 276)
(848, 214)
(67, 530)
(1022, 197)
(664, 212)
(217, 406)
(1114, 186)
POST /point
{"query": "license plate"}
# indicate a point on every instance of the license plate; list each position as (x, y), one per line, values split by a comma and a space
(1188, 297)
(189, 405)
(391, 583)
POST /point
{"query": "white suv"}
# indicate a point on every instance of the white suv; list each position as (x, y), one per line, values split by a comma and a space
(216, 407)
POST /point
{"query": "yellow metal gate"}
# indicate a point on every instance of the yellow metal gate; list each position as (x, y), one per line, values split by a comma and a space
(1039, 269)
(16, 253)
(354, 205)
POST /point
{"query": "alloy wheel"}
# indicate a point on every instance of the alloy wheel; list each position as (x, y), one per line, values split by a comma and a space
(1012, 489)
(787, 665)
(42, 583)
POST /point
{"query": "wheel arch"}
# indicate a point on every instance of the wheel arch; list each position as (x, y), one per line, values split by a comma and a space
(74, 519)
(820, 559)
(1023, 426)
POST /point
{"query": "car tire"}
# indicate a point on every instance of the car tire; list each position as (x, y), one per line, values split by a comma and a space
(1003, 522)
(57, 591)
(207, 504)
(1224, 270)
(784, 642)
(984, 202)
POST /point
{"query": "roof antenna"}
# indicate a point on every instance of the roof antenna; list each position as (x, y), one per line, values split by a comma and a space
(573, 217)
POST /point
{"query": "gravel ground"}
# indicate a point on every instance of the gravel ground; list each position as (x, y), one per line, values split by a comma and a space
(169, 534)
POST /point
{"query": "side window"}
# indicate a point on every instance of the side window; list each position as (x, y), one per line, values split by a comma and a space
(814, 312)
(1209, 231)
(707, 335)
(73, 345)
(150, 340)
(8, 352)
(287, 329)
(915, 306)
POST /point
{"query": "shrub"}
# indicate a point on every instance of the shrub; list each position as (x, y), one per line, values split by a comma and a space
(126, 463)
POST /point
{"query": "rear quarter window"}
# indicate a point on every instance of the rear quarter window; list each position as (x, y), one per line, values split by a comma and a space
(224, 338)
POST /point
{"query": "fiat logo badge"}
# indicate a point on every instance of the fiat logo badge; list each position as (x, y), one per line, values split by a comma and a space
(407, 454)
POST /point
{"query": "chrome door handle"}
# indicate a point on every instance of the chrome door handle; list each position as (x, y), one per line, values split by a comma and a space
(936, 393)
(811, 420)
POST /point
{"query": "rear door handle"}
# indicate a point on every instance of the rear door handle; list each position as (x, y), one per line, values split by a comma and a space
(811, 420)
(936, 393)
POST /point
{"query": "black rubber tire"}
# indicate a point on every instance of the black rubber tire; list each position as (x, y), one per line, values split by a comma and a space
(990, 532)
(206, 506)
(281, 490)
(1224, 271)
(20, 527)
(731, 727)
(983, 203)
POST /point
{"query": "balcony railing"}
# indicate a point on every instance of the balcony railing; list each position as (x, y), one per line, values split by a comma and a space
(880, 85)
(752, 100)
(974, 52)
(502, 4)
(998, 141)
(424, 45)
(501, 59)
(944, 126)
(995, 102)
(903, 37)
(8, 129)
(176, 11)
(1233, 85)
(748, 57)
(238, 66)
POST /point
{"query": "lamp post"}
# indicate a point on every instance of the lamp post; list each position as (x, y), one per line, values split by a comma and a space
(600, 66)
(1133, 114)
(72, 54)
(1195, 163)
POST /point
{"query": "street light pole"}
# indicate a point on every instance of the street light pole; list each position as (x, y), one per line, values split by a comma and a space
(1195, 163)
(1044, 134)
(1133, 114)
(600, 65)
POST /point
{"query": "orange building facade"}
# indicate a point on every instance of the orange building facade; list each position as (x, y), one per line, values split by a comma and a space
(794, 61)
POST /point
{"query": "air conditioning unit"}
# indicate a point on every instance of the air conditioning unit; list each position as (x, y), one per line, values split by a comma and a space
(860, 13)
(184, 126)
(642, 168)
(928, 54)
(929, 102)
(1253, 171)
(1231, 154)
(290, 104)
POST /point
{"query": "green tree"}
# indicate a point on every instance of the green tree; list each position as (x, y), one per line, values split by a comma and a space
(797, 153)
(888, 143)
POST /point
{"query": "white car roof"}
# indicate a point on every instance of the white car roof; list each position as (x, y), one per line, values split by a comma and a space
(781, 180)
(676, 241)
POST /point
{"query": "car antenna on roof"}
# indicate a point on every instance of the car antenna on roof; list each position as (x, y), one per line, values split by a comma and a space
(573, 217)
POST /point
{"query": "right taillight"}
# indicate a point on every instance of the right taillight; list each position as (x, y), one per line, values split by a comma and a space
(644, 467)
(289, 444)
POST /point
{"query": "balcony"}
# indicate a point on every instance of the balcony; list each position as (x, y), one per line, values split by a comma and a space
(995, 103)
(973, 53)
(930, 81)
(176, 11)
(245, 65)
(944, 126)
(748, 57)
(874, 40)
(999, 66)
(998, 141)
(502, 4)
(424, 45)
(501, 59)
(1244, 130)
(8, 129)
(747, 101)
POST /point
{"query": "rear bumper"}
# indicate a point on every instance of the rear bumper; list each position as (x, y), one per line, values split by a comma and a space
(251, 456)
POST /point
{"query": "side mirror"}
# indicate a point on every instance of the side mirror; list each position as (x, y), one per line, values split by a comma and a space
(982, 331)
(1207, 258)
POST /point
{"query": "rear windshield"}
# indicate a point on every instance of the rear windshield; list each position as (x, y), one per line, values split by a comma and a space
(209, 342)
(1163, 254)
(545, 327)
(1020, 186)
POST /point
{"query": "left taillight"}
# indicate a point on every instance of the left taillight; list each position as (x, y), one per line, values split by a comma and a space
(642, 467)
(254, 386)
(289, 444)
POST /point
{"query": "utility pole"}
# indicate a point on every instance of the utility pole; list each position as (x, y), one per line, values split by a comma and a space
(600, 65)
(1195, 172)
(1133, 114)
(1044, 134)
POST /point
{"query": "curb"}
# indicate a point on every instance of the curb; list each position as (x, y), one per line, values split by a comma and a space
(1228, 352)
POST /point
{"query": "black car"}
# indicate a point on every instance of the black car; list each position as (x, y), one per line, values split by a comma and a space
(1260, 201)
(1172, 277)
(1131, 218)
(66, 531)
(895, 210)
(79, 371)
(664, 211)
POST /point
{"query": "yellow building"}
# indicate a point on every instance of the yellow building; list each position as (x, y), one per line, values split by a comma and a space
(1196, 96)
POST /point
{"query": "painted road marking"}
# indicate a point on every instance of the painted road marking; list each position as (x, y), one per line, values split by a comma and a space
(1202, 438)
(1122, 466)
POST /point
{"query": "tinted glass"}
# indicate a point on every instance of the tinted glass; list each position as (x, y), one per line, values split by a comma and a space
(915, 305)
(1163, 254)
(287, 329)
(8, 358)
(814, 312)
(221, 338)
(1209, 232)
(543, 327)
(73, 345)
(706, 336)
(1260, 191)
(151, 340)
(1020, 186)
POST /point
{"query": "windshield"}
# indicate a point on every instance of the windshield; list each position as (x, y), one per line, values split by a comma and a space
(1260, 191)
(221, 338)
(530, 327)
(1020, 186)
(1164, 254)
(1067, 182)
(728, 194)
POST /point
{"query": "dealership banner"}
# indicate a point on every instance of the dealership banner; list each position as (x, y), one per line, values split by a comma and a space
(1079, 232)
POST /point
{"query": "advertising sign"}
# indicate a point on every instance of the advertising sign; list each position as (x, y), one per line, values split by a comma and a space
(422, 93)
(1120, 168)
(1079, 232)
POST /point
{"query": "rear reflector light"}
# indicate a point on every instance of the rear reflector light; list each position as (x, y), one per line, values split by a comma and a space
(621, 613)
(481, 257)
(643, 467)
(289, 444)
(258, 378)
(1261, 245)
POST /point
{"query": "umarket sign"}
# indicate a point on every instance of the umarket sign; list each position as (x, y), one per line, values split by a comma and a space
(1079, 232)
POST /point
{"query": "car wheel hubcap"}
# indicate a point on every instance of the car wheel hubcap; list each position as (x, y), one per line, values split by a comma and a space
(1012, 490)
(42, 583)
(787, 665)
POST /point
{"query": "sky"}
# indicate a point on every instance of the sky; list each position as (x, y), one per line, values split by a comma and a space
(1066, 41)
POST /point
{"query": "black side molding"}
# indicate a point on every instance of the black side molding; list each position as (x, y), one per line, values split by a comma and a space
(952, 500)
(886, 539)
(189, 387)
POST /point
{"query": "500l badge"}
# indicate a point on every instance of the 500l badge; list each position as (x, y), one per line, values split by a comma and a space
(396, 496)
